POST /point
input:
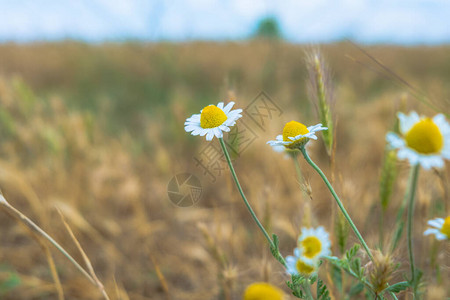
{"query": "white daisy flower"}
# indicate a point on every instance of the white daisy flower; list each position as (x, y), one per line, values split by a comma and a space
(296, 135)
(441, 228)
(314, 243)
(296, 265)
(213, 120)
(425, 141)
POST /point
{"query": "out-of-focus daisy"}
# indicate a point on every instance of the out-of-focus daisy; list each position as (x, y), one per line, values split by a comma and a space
(262, 291)
(314, 243)
(424, 141)
(441, 228)
(296, 135)
(213, 120)
(297, 264)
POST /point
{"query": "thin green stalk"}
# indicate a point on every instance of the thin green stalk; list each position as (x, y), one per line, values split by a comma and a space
(412, 193)
(307, 290)
(338, 201)
(255, 218)
(400, 223)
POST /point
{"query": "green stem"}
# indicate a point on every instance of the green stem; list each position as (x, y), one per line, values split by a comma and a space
(307, 289)
(338, 201)
(400, 223)
(381, 228)
(412, 193)
(255, 218)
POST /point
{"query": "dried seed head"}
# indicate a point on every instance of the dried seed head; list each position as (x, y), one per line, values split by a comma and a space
(381, 270)
(321, 93)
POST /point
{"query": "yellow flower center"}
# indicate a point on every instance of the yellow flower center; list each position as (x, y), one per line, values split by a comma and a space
(446, 227)
(311, 246)
(425, 137)
(292, 129)
(262, 291)
(304, 268)
(212, 117)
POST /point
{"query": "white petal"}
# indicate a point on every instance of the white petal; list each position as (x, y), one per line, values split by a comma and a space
(194, 118)
(411, 155)
(316, 128)
(210, 135)
(220, 105)
(279, 137)
(394, 140)
(437, 223)
(195, 132)
(431, 231)
(278, 148)
(203, 132)
(429, 161)
(227, 108)
(291, 262)
(440, 236)
(190, 127)
(311, 128)
(442, 123)
(198, 131)
(445, 152)
(218, 133)
(407, 121)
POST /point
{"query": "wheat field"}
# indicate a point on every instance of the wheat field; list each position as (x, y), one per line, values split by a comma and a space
(96, 132)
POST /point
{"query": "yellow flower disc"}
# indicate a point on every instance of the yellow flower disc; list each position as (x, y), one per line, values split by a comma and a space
(262, 291)
(292, 129)
(212, 117)
(446, 227)
(311, 246)
(425, 137)
(304, 268)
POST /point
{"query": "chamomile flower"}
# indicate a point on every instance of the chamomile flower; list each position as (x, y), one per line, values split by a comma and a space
(262, 291)
(213, 120)
(441, 228)
(297, 264)
(296, 135)
(424, 141)
(314, 243)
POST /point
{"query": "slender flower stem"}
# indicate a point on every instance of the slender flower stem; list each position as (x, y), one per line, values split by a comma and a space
(338, 201)
(400, 223)
(307, 289)
(255, 218)
(412, 193)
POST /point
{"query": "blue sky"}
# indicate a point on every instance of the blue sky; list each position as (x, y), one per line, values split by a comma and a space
(302, 21)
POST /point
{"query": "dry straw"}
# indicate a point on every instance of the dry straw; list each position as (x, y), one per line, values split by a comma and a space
(39, 232)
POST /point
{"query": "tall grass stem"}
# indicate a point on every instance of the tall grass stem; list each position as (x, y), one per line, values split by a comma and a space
(412, 193)
(35, 228)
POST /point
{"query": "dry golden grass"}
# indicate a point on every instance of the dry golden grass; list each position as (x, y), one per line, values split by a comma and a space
(97, 132)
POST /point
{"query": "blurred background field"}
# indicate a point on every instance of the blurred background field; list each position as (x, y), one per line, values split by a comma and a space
(96, 130)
